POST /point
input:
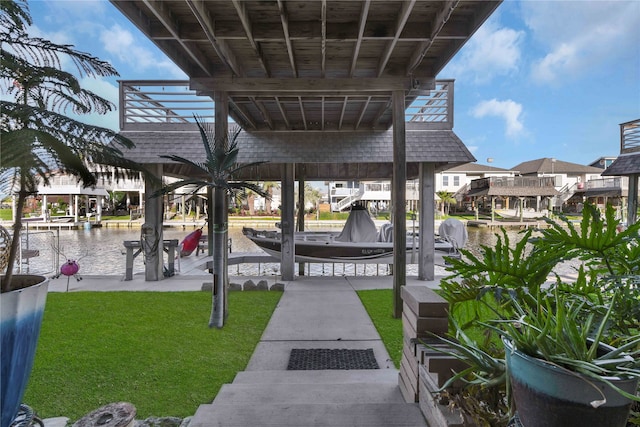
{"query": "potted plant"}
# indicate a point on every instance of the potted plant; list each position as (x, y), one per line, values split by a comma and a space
(560, 371)
(514, 291)
(37, 140)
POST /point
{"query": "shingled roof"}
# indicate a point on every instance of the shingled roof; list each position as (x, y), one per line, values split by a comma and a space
(476, 168)
(547, 165)
(317, 155)
(625, 164)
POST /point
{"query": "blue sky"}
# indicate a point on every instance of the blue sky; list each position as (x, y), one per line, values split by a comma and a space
(538, 79)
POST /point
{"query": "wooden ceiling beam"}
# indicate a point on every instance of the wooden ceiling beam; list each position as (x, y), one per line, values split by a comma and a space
(381, 111)
(169, 23)
(363, 110)
(323, 41)
(322, 114)
(248, 29)
(437, 24)
(263, 110)
(283, 112)
(284, 20)
(239, 114)
(306, 86)
(344, 109)
(455, 45)
(220, 46)
(401, 21)
(302, 113)
(362, 22)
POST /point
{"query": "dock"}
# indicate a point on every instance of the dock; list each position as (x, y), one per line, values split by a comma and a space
(482, 223)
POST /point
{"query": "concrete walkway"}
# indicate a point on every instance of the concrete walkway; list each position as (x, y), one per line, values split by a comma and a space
(313, 313)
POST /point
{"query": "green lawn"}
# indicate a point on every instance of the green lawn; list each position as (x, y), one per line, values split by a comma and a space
(152, 349)
(379, 305)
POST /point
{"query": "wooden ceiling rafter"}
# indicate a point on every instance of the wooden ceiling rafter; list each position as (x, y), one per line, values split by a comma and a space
(169, 23)
(323, 39)
(246, 24)
(284, 20)
(401, 21)
(342, 111)
(362, 112)
(362, 22)
(240, 115)
(221, 48)
(302, 113)
(283, 112)
(442, 17)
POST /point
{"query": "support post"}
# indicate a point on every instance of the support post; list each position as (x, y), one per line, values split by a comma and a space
(300, 225)
(399, 200)
(426, 266)
(632, 207)
(288, 250)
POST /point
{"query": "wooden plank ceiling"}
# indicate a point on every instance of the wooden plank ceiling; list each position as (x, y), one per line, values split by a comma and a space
(309, 64)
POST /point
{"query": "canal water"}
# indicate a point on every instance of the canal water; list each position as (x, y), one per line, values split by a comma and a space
(100, 251)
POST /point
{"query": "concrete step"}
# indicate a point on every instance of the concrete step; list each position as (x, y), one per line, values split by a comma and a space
(309, 415)
(318, 377)
(295, 394)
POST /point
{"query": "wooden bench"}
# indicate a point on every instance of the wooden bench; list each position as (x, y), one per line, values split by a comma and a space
(169, 247)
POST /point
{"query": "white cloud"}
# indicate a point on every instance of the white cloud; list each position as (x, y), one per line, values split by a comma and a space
(581, 35)
(492, 51)
(121, 43)
(507, 110)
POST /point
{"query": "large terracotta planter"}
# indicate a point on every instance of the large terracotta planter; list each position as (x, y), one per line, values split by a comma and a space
(20, 320)
(546, 395)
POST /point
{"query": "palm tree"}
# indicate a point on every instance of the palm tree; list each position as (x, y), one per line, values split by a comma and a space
(268, 186)
(37, 139)
(446, 198)
(216, 173)
(312, 195)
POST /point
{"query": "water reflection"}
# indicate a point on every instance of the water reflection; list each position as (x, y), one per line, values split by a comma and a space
(100, 251)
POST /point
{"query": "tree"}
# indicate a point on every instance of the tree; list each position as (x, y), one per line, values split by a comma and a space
(312, 195)
(216, 173)
(446, 198)
(37, 139)
(269, 186)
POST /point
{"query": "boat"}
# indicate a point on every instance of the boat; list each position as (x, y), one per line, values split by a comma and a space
(358, 242)
(521, 214)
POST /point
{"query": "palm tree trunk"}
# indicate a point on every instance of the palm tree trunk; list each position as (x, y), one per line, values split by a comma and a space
(220, 278)
(15, 243)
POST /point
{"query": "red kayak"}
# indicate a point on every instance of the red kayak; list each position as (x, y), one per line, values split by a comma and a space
(190, 243)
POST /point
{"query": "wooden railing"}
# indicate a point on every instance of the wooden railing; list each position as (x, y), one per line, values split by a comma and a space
(614, 182)
(160, 102)
(437, 107)
(147, 104)
(513, 181)
(630, 137)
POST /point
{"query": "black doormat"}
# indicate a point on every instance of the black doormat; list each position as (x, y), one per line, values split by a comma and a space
(314, 359)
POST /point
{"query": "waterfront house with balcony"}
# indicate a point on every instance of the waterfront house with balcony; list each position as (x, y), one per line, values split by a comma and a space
(377, 194)
(628, 165)
(569, 179)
